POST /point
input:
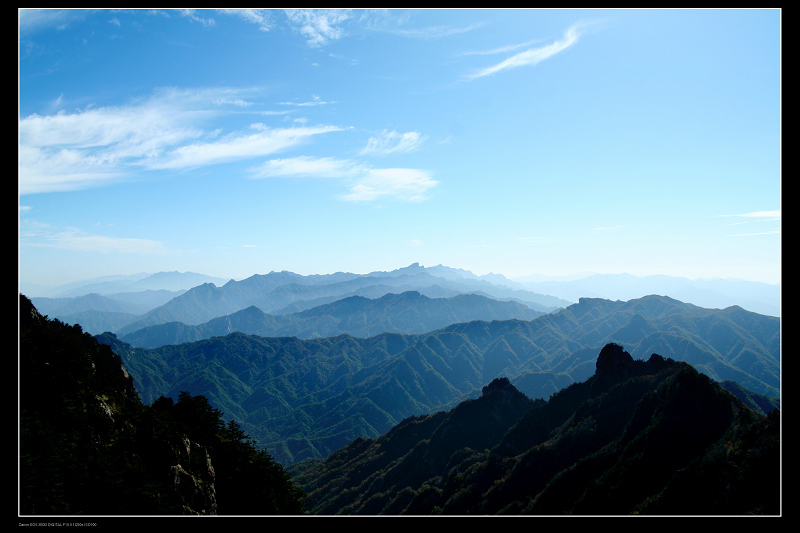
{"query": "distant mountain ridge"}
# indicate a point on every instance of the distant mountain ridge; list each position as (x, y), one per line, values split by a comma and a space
(284, 292)
(762, 298)
(275, 291)
(409, 313)
(97, 313)
(106, 285)
(307, 398)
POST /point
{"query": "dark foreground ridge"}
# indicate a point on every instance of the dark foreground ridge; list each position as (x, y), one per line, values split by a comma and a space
(647, 437)
(638, 437)
(89, 446)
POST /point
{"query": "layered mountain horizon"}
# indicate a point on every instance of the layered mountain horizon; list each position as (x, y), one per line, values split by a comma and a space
(409, 313)
(125, 304)
(498, 417)
(279, 387)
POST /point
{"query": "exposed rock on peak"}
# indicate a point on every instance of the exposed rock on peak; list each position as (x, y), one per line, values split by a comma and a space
(498, 385)
(613, 358)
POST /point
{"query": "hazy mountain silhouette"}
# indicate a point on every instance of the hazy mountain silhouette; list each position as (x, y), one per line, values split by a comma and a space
(106, 285)
(277, 291)
(307, 398)
(409, 312)
(762, 298)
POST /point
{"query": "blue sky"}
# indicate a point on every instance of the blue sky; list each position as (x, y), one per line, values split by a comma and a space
(519, 142)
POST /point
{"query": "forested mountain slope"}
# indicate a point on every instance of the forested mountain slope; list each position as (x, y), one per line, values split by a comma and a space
(643, 437)
(307, 398)
(89, 446)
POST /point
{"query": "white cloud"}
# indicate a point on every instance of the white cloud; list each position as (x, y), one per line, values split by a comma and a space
(238, 146)
(435, 32)
(304, 166)
(260, 17)
(757, 216)
(75, 240)
(63, 170)
(400, 183)
(192, 15)
(365, 183)
(68, 151)
(319, 26)
(774, 215)
(608, 228)
(32, 20)
(315, 100)
(235, 102)
(391, 142)
(532, 56)
(501, 50)
(757, 233)
(98, 145)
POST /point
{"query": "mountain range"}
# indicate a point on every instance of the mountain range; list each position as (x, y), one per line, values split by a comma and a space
(275, 293)
(409, 313)
(123, 284)
(125, 304)
(649, 436)
(762, 298)
(637, 437)
(306, 398)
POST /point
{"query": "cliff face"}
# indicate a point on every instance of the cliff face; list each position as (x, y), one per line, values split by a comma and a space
(80, 448)
(88, 445)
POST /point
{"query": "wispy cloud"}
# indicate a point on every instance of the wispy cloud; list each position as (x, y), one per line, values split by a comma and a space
(400, 183)
(364, 183)
(608, 228)
(191, 14)
(238, 146)
(774, 232)
(310, 167)
(33, 234)
(318, 26)
(531, 56)
(500, 50)
(435, 32)
(260, 17)
(756, 216)
(315, 101)
(764, 215)
(392, 142)
(32, 20)
(97, 145)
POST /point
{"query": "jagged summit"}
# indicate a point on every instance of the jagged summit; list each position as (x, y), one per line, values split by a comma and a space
(613, 358)
(498, 385)
(648, 437)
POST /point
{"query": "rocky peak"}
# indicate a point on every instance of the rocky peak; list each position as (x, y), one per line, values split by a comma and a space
(613, 358)
(498, 385)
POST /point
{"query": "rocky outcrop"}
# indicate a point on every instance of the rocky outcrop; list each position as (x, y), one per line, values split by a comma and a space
(195, 487)
(613, 359)
(497, 385)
